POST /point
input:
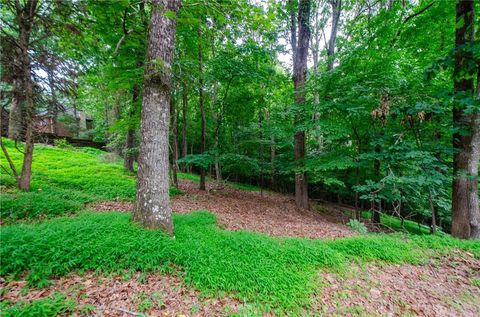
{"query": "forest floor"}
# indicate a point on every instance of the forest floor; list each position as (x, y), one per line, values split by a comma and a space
(441, 287)
(444, 286)
(265, 212)
(252, 254)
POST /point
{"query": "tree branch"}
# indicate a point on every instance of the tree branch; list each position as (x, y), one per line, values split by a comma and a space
(408, 19)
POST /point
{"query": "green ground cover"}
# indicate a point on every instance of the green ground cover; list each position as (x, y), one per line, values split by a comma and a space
(270, 273)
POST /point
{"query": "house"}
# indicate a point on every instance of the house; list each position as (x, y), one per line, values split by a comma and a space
(70, 123)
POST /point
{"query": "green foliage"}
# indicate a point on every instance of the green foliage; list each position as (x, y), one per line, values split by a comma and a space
(395, 223)
(198, 160)
(63, 181)
(247, 187)
(271, 272)
(62, 144)
(357, 226)
(54, 305)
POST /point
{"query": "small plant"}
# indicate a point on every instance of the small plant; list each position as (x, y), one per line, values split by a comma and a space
(144, 303)
(475, 282)
(158, 298)
(56, 304)
(62, 143)
(357, 226)
(87, 309)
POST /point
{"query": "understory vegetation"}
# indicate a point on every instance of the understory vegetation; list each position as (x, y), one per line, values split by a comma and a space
(272, 274)
(64, 180)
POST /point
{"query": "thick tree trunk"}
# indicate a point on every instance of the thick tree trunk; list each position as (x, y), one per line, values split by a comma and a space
(202, 106)
(15, 120)
(153, 208)
(299, 78)
(466, 139)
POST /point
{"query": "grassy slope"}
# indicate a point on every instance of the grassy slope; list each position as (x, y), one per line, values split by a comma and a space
(272, 273)
(63, 180)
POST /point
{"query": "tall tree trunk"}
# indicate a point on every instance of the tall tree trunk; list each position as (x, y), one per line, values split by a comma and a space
(25, 23)
(218, 171)
(299, 78)
(129, 157)
(272, 152)
(376, 171)
(202, 106)
(185, 119)
(52, 109)
(336, 10)
(433, 224)
(316, 96)
(174, 122)
(153, 208)
(15, 121)
(466, 139)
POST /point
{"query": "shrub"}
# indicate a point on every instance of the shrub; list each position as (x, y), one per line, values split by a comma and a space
(62, 144)
(357, 226)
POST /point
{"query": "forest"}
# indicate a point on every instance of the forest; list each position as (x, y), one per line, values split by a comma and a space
(239, 157)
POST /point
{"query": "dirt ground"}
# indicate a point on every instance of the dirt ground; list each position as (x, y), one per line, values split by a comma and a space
(270, 213)
(116, 296)
(443, 287)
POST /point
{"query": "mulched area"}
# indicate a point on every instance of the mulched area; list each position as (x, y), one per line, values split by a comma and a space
(267, 212)
(442, 287)
(270, 213)
(151, 295)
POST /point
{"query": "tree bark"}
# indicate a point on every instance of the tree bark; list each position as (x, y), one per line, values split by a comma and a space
(466, 139)
(15, 120)
(202, 106)
(336, 10)
(185, 119)
(376, 171)
(153, 208)
(130, 142)
(52, 110)
(299, 78)
(174, 123)
(25, 23)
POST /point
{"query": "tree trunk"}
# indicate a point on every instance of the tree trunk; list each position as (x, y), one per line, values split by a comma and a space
(15, 121)
(153, 208)
(174, 123)
(25, 23)
(185, 119)
(433, 224)
(376, 171)
(202, 106)
(336, 10)
(130, 142)
(299, 78)
(466, 139)
(272, 152)
(52, 109)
